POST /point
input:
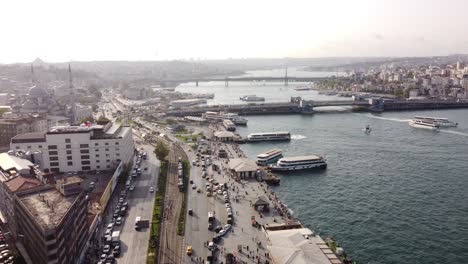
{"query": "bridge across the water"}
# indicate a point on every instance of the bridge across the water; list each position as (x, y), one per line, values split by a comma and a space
(295, 106)
(226, 80)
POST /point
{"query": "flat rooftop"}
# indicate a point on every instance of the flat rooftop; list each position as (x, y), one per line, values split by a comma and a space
(48, 206)
(299, 246)
(301, 158)
(29, 137)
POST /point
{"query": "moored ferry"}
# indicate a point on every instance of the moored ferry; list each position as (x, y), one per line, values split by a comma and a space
(424, 124)
(235, 118)
(299, 163)
(252, 98)
(269, 136)
(443, 122)
(271, 156)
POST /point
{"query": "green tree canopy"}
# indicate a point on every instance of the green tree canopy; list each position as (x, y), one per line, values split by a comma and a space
(161, 150)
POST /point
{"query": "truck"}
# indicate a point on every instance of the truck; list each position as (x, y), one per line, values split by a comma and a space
(139, 223)
(115, 238)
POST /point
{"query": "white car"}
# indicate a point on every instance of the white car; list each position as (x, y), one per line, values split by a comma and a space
(118, 221)
(151, 189)
(227, 205)
(227, 227)
(194, 186)
(221, 232)
(132, 188)
(220, 192)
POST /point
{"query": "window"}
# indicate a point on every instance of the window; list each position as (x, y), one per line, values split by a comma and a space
(69, 152)
(107, 155)
(116, 143)
(96, 144)
(53, 153)
(52, 164)
(97, 155)
(108, 166)
(117, 149)
(68, 146)
(84, 146)
(107, 144)
(69, 157)
(107, 160)
(97, 149)
(117, 154)
(98, 167)
(52, 147)
(55, 169)
(17, 147)
(29, 147)
(70, 163)
(107, 149)
(53, 158)
(85, 168)
(40, 146)
(84, 151)
(97, 161)
(84, 156)
(85, 162)
(67, 140)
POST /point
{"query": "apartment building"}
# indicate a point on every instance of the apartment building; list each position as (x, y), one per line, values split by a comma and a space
(78, 148)
(12, 126)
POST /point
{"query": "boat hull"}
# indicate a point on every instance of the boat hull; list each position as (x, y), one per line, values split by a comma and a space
(422, 126)
(315, 166)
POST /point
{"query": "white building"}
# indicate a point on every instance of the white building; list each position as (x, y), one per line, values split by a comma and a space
(79, 148)
(81, 111)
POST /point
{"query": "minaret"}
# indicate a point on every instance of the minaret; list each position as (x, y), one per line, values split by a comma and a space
(70, 80)
(33, 79)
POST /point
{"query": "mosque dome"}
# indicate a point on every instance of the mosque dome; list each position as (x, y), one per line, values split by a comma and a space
(36, 91)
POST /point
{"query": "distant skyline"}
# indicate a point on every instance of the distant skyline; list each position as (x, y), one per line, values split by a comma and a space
(58, 31)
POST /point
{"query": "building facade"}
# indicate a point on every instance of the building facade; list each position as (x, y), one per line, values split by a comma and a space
(12, 126)
(79, 148)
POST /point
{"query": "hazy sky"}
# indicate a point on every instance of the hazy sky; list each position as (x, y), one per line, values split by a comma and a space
(171, 29)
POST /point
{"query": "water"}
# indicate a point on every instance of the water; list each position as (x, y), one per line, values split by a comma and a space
(398, 195)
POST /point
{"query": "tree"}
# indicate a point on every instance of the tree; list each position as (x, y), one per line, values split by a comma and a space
(161, 150)
(85, 119)
(103, 119)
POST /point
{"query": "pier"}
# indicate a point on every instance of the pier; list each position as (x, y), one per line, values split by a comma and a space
(299, 106)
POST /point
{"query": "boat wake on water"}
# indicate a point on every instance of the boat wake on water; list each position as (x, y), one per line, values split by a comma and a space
(453, 132)
(297, 137)
(389, 119)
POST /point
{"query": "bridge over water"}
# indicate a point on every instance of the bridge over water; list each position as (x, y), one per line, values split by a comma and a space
(299, 106)
(226, 80)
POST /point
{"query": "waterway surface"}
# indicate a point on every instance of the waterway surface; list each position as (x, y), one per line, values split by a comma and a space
(398, 195)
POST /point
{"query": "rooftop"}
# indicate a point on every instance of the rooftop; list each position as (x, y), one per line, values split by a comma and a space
(47, 206)
(242, 164)
(299, 246)
(21, 183)
(10, 162)
(29, 137)
(223, 134)
(268, 153)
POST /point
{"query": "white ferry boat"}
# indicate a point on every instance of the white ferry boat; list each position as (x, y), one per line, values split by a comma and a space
(252, 98)
(268, 157)
(236, 119)
(443, 122)
(269, 136)
(299, 163)
(424, 124)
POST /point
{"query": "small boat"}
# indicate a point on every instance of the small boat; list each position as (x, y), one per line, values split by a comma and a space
(367, 130)
(424, 124)
(252, 98)
(442, 122)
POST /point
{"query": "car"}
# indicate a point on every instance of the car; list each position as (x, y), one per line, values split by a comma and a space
(116, 213)
(131, 188)
(227, 227)
(220, 192)
(118, 221)
(221, 232)
(228, 209)
(191, 181)
(218, 228)
(208, 193)
(190, 211)
(227, 205)
(103, 257)
(92, 184)
(116, 251)
(211, 246)
(194, 162)
(189, 250)
(125, 204)
(216, 238)
(110, 258)
(146, 168)
(198, 190)
(151, 189)
(225, 193)
(117, 207)
(194, 186)
(121, 200)
(106, 249)
(110, 226)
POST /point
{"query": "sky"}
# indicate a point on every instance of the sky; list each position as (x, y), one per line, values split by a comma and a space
(86, 30)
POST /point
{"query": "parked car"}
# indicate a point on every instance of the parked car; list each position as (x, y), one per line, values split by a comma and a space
(106, 249)
(189, 250)
(151, 189)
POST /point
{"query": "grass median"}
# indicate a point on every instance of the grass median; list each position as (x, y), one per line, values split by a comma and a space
(181, 222)
(155, 231)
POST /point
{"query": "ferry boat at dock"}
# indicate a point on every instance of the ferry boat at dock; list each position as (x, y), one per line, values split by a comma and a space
(235, 118)
(252, 98)
(269, 136)
(423, 124)
(442, 122)
(271, 156)
(299, 163)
